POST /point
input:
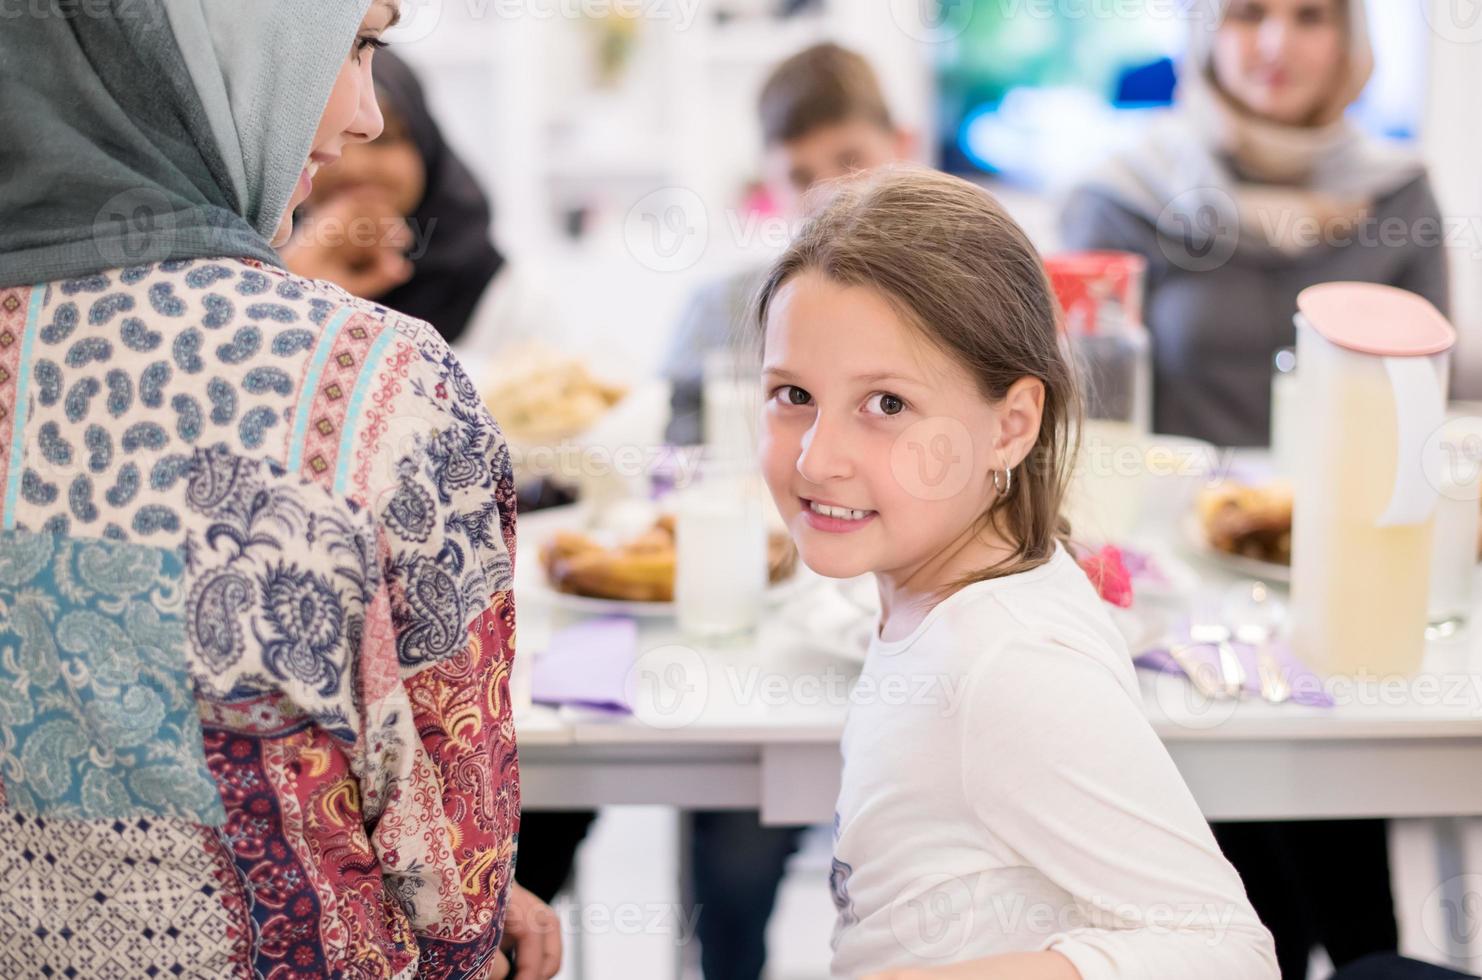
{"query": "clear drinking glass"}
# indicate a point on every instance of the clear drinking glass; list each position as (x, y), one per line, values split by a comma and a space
(1458, 522)
(1284, 411)
(721, 550)
(732, 397)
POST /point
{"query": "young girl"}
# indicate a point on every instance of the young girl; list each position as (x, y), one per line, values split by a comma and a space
(1027, 824)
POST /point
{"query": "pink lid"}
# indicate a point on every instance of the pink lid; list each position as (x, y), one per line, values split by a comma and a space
(1374, 319)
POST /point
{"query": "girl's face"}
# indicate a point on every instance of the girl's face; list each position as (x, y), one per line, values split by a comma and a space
(865, 415)
(352, 115)
(1279, 59)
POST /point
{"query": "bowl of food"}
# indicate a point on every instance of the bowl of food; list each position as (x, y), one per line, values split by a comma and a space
(540, 396)
(568, 426)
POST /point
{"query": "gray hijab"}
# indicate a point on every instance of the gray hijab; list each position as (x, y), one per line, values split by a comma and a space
(148, 130)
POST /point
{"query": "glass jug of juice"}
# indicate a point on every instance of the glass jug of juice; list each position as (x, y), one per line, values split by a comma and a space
(1372, 399)
(1101, 300)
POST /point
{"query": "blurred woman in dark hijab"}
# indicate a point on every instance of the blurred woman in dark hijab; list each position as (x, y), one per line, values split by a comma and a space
(402, 221)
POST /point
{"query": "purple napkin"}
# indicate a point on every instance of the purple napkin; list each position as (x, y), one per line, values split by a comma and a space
(587, 665)
(1307, 688)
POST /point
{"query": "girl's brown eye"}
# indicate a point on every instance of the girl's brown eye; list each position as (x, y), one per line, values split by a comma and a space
(886, 404)
(797, 396)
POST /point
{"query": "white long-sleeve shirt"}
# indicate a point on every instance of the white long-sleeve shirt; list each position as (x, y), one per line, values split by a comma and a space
(1004, 792)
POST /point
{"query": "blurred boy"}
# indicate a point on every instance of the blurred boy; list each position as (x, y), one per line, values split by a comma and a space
(823, 118)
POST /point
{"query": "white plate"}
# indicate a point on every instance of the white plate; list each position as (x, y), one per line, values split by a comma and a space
(1266, 571)
(532, 585)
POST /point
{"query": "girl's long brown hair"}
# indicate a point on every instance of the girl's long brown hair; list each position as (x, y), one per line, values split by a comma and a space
(962, 272)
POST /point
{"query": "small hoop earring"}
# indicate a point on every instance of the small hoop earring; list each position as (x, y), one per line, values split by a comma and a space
(1008, 481)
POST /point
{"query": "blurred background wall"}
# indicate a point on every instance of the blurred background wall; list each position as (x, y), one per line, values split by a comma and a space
(620, 143)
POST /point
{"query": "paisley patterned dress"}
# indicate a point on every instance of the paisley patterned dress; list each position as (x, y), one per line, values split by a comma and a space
(255, 634)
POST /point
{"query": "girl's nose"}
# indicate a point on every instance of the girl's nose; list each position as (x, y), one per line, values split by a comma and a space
(824, 456)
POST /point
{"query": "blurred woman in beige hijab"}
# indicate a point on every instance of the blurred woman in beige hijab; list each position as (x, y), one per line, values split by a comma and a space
(1256, 186)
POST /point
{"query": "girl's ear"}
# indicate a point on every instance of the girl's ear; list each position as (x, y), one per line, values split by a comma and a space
(1019, 416)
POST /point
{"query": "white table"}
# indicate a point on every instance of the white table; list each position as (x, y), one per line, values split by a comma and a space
(758, 726)
(1250, 761)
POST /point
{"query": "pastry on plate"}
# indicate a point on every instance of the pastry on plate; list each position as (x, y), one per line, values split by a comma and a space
(640, 569)
(1251, 521)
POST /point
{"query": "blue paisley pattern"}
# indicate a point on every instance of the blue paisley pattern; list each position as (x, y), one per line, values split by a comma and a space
(253, 589)
(135, 372)
(97, 715)
(445, 569)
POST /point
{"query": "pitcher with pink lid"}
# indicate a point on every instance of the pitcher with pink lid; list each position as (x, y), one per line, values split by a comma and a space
(1372, 390)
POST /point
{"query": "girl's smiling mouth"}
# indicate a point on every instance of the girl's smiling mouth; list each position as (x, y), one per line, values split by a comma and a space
(833, 518)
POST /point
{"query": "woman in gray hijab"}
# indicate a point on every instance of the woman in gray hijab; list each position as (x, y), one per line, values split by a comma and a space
(256, 534)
